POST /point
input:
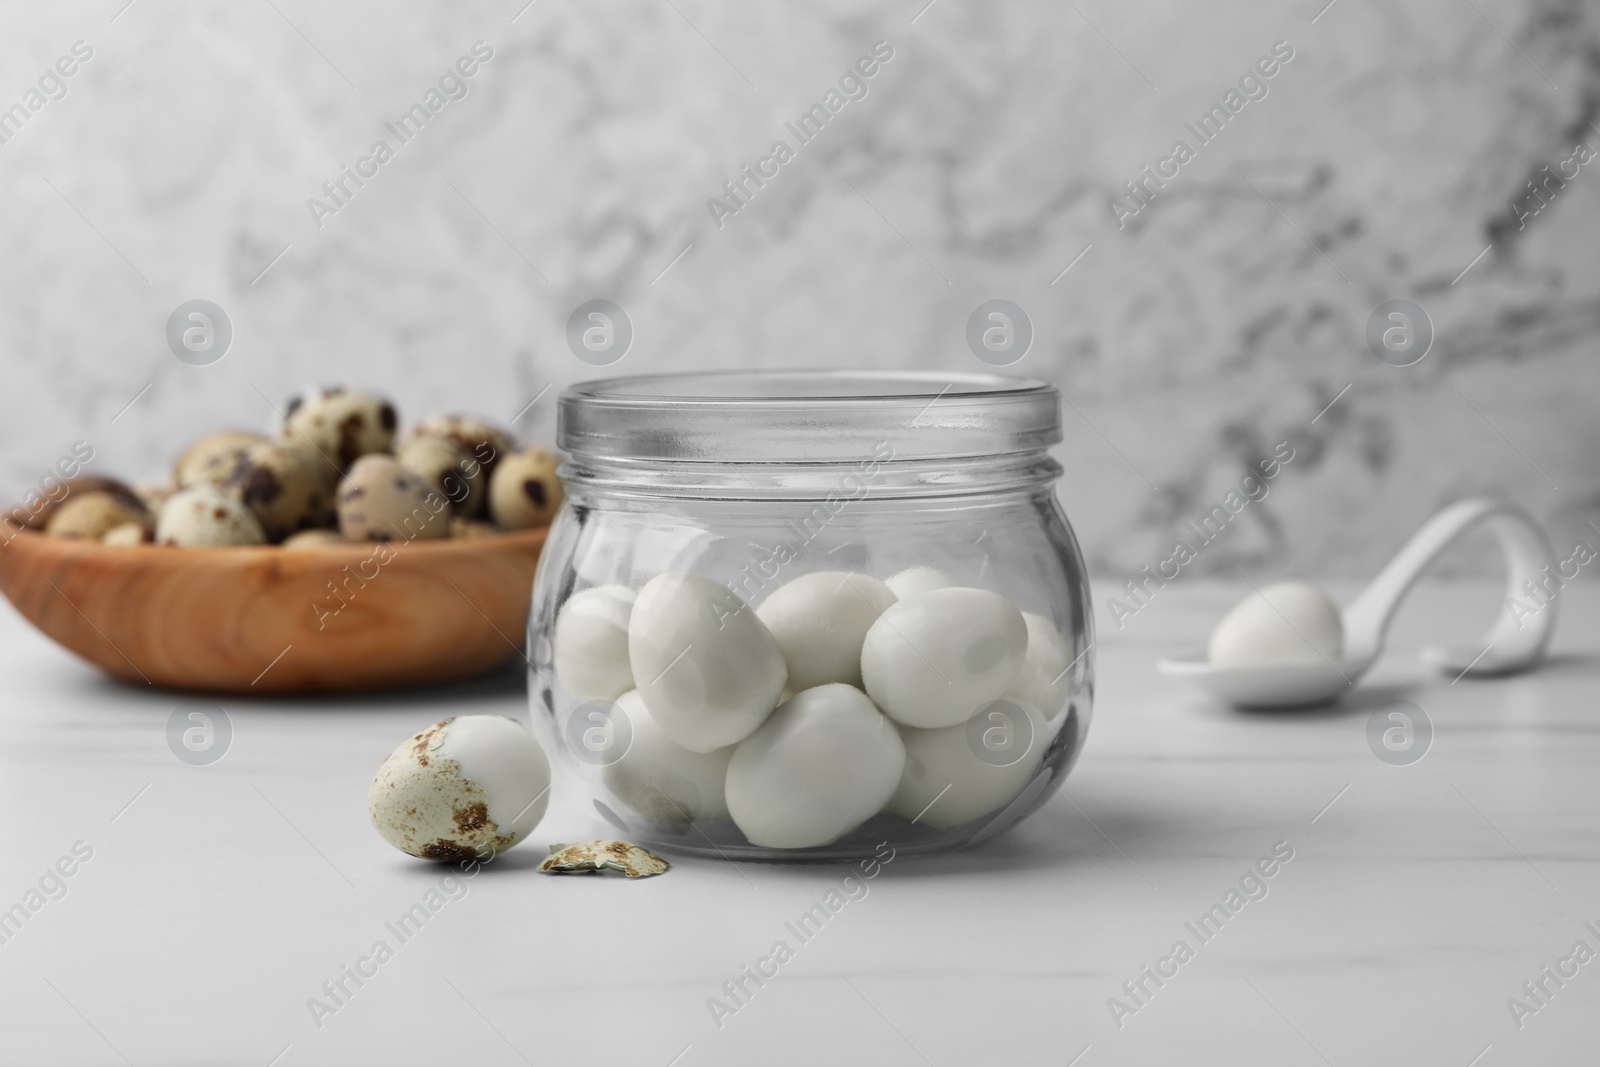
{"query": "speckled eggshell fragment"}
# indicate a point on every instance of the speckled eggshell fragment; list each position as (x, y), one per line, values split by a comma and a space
(1043, 680)
(203, 515)
(820, 621)
(591, 643)
(936, 658)
(823, 764)
(589, 857)
(464, 788)
(659, 779)
(948, 781)
(705, 665)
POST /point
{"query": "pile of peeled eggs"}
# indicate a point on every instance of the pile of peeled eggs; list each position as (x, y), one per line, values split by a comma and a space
(334, 471)
(840, 697)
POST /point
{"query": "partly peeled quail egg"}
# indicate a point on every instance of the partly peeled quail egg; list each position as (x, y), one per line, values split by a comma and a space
(1283, 624)
(1043, 680)
(659, 778)
(464, 788)
(936, 658)
(820, 621)
(959, 773)
(591, 643)
(823, 764)
(705, 665)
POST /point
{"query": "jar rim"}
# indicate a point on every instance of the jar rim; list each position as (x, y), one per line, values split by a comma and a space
(807, 416)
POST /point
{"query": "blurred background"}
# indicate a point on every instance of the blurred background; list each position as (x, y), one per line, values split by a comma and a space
(1389, 159)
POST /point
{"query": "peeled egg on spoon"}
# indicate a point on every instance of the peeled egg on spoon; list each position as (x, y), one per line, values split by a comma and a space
(1282, 624)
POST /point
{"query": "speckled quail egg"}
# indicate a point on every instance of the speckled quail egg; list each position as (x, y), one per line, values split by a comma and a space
(460, 527)
(281, 483)
(1042, 680)
(205, 515)
(1285, 623)
(705, 665)
(38, 509)
(379, 500)
(465, 788)
(306, 539)
(590, 643)
(914, 580)
(129, 533)
(479, 438)
(93, 514)
(820, 622)
(955, 774)
(340, 425)
(661, 780)
(823, 764)
(936, 658)
(524, 490)
(208, 460)
(452, 472)
(153, 494)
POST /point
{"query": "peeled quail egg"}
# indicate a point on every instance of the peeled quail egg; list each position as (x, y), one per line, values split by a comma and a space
(935, 658)
(959, 773)
(464, 788)
(379, 500)
(1042, 681)
(94, 514)
(340, 426)
(660, 779)
(591, 643)
(524, 490)
(823, 764)
(705, 665)
(1286, 623)
(914, 580)
(205, 515)
(820, 621)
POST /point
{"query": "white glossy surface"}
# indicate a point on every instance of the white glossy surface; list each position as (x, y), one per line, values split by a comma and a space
(590, 643)
(820, 621)
(507, 762)
(222, 897)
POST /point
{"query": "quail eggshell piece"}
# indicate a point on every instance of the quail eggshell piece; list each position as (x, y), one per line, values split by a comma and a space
(464, 788)
(820, 621)
(949, 779)
(281, 483)
(379, 500)
(936, 658)
(914, 580)
(524, 489)
(95, 514)
(704, 664)
(591, 643)
(205, 515)
(1283, 624)
(1043, 681)
(340, 426)
(823, 764)
(661, 780)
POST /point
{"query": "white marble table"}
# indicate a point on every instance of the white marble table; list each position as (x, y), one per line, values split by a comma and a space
(1419, 898)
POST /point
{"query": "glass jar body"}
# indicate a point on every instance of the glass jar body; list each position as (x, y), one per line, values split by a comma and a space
(991, 525)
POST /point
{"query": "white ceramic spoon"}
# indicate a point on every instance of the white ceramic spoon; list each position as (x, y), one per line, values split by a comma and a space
(1510, 645)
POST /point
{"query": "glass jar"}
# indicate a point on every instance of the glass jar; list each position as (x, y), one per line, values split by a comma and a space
(923, 718)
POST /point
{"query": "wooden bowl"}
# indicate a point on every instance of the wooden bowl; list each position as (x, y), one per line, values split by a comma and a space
(266, 619)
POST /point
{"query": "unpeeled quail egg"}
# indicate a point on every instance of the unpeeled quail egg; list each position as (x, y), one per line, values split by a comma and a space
(379, 500)
(208, 460)
(479, 438)
(820, 621)
(590, 643)
(1042, 680)
(705, 665)
(340, 426)
(446, 466)
(914, 580)
(464, 788)
(935, 658)
(94, 514)
(959, 773)
(524, 489)
(205, 515)
(1286, 623)
(661, 780)
(309, 539)
(823, 764)
(281, 483)
(129, 533)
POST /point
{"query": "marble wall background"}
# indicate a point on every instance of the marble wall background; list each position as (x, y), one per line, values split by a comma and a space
(1227, 315)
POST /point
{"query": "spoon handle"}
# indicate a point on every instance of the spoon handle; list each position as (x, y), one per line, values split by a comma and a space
(1515, 641)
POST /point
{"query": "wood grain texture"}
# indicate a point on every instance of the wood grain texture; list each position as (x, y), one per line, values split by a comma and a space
(218, 619)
